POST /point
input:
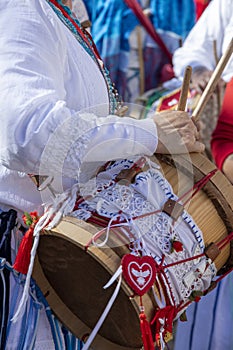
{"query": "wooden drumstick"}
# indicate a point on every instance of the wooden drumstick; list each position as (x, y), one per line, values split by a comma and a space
(213, 82)
(185, 89)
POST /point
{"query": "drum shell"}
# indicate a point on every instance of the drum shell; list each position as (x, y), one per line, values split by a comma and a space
(79, 301)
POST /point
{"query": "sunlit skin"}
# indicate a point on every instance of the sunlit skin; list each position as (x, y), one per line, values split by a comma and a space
(228, 167)
(67, 3)
(176, 131)
(200, 79)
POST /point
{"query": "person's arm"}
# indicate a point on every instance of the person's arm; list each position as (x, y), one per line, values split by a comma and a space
(221, 140)
(215, 24)
(39, 133)
(174, 132)
(201, 77)
(34, 113)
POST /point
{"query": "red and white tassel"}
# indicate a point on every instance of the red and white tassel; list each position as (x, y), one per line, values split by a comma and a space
(23, 256)
(147, 338)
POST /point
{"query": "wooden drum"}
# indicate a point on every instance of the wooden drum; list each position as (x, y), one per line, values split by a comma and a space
(72, 278)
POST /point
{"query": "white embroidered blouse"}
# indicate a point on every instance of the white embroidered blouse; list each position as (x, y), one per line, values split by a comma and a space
(215, 24)
(47, 80)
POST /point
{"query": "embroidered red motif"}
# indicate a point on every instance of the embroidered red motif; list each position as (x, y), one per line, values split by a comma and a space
(139, 272)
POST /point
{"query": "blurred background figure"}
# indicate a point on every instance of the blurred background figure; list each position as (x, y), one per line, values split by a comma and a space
(222, 137)
(135, 60)
(206, 43)
(209, 325)
(80, 11)
(202, 49)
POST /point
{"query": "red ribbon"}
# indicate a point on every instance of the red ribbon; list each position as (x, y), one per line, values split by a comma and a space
(168, 313)
(147, 338)
(92, 46)
(23, 257)
(147, 24)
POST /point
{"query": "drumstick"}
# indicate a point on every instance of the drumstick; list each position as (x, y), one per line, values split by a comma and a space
(218, 92)
(185, 89)
(213, 82)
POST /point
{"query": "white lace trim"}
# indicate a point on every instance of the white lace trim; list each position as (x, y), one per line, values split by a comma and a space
(74, 136)
(152, 234)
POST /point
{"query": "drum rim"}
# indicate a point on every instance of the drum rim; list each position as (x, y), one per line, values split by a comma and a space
(62, 312)
(218, 185)
(200, 163)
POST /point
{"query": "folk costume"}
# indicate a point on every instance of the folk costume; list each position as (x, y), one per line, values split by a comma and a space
(121, 40)
(199, 46)
(44, 84)
(209, 321)
(80, 11)
(60, 121)
(221, 143)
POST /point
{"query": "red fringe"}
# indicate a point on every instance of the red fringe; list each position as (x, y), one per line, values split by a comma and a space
(22, 259)
(146, 333)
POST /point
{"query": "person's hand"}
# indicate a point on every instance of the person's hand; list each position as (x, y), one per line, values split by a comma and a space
(177, 133)
(200, 78)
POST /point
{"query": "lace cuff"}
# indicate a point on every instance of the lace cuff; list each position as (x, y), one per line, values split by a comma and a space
(86, 139)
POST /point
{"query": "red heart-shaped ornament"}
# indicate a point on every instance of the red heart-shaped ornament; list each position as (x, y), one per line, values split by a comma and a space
(139, 272)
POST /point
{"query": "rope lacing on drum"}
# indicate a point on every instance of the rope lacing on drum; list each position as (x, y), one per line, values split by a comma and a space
(119, 218)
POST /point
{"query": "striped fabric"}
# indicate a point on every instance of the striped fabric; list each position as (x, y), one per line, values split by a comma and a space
(209, 325)
(25, 333)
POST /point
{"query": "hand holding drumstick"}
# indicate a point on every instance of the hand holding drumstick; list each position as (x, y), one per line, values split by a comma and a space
(177, 132)
(181, 135)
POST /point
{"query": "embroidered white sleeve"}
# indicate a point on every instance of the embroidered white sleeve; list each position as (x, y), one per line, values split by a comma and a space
(198, 48)
(90, 141)
(41, 130)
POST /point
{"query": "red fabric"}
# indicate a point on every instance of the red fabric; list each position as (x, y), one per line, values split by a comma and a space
(222, 137)
(23, 256)
(146, 333)
(147, 24)
(139, 272)
(168, 313)
(167, 73)
(200, 7)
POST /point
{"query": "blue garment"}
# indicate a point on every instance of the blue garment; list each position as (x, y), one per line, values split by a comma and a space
(177, 16)
(112, 23)
(209, 325)
(7, 223)
(24, 331)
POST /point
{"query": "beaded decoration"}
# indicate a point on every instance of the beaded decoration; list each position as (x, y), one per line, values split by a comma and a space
(84, 38)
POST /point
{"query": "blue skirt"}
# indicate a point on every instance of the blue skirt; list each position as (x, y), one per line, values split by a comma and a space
(38, 328)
